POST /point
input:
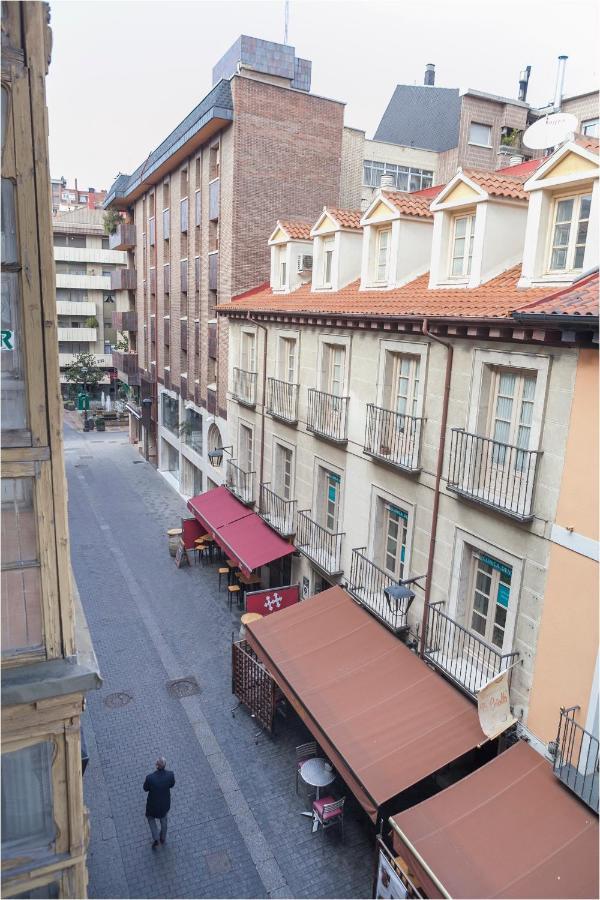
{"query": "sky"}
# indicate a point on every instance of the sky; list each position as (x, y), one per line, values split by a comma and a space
(124, 73)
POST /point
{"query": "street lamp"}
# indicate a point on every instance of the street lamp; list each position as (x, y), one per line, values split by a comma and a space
(398, 594)
(216, 456)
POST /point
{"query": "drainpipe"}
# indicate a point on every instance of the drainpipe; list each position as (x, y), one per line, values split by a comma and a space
(438, 478)
(264, 400)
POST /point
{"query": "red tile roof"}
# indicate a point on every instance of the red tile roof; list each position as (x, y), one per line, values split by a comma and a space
(579, 299)
(499, 184)
(524, 168)
(588, 142)
(416, 203)
(497, 298)
(345, 218)
(297, 231)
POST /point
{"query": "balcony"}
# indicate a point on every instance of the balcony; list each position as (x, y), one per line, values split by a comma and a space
(123, 280)
(496, 475)
(126, 364)
(81, 281)
(123, 238)
(282, 400)
(328, 416)
(277, 512)
(103, 360)
(244, 387)
(321, 546)
(576, 758)
(239, 482)
(125, 321)
(213, 200)
(461, 655)
(78, 334)
(75, 308)
(367, 584)
(393, 438)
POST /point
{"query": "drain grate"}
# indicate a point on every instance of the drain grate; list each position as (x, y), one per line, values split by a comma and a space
(117, 700)
(183, 687)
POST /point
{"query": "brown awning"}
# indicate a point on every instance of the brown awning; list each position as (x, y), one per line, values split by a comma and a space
(508, 830)
(385, 719)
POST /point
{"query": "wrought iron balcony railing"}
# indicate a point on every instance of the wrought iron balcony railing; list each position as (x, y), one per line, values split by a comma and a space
(463, 656)
(244, 387)
(393, 437)
(576, 758)
(240, 482)
(321, 546)
(282, 400)
(279, 513)
(328, 415)
(367, 584)
(500, 476)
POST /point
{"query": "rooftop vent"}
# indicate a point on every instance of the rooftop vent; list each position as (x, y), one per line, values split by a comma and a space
(388, 183)
(429, 74)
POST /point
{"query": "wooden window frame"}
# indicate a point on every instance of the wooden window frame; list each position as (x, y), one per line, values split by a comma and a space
(576, 196)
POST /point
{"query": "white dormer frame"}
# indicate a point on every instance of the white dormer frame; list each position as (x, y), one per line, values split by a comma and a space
(544, 190)
(285, 251)
(329, 236)
(379, 216)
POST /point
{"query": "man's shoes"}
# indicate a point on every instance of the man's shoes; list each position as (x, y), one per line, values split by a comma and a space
(163, 840)
(154, 845)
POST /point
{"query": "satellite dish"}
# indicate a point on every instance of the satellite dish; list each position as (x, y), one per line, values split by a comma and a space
(550, 131)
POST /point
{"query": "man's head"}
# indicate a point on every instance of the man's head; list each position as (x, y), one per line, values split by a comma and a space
(161, 762)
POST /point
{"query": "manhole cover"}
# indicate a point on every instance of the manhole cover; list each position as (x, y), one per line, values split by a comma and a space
(120, 698)
(218, 862)
(183, 687)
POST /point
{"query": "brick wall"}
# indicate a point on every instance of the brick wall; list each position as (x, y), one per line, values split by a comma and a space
(486, 112)
(353, 149)
(584, 107)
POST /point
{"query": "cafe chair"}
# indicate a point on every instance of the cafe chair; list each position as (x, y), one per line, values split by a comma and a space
(223, 571)
(304, 752)
(329, 812)
(233, 589)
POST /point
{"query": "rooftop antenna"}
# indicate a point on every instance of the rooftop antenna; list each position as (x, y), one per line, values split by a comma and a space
(286, 20)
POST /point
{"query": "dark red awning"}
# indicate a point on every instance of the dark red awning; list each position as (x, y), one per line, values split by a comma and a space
(237, 530)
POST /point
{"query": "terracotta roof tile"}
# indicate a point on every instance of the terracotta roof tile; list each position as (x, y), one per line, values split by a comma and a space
(580, 299)
(588, 142)
(297, 231)
(346, 218)
(497, 298)
(500, 184)
(524, 168)
(416, 203)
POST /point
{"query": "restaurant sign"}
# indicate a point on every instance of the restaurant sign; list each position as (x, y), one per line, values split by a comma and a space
(271, 600)
(493, 703)
(389, 884)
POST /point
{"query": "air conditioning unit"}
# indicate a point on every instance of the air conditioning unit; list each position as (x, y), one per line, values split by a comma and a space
(305, 263)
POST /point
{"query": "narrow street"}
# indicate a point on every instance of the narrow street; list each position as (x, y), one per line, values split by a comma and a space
(235, 828)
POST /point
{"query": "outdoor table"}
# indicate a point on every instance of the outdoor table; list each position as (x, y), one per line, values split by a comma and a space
(314, 773)
(246, 619)
(249, 580)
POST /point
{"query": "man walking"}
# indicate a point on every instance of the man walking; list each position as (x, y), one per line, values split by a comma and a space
(158, 785)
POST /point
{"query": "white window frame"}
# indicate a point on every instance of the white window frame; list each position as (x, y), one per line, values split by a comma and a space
(403, 348)
(474, 143)
(246, 464)
(574, 226)
(280, 446)
(283, 273)
(380, 498)
(327, 261)
(469, 239)
(470, 610)
(592, 124)
(384, 229)
(338, 341)
(248, 336)
(282, 362)
(322, 466)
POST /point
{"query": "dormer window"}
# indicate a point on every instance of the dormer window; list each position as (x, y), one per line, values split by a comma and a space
(327, 261)
(569, 232)
(282, 271)
(462, 245)
(382, 260)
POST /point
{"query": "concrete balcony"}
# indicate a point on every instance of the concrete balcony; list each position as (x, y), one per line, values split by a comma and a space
(75, 308)
(78, 334)
(126, 364)
(90, 255)
(123, 238)
(84, 282)
(125, 320)
(123, 280)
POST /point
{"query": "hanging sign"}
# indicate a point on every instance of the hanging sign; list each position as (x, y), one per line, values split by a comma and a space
(271, 600)
(493, 706)
(389, 884)
(494, 564)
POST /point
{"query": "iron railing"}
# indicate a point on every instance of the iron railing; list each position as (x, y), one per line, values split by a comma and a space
(321, 546)
(328, 415)
(576, 758)
(244, 387)
(393, 437)
(498, 475)
(461, 655)
(279, 513)
(239, 482)
(367, 583)
(282, 400)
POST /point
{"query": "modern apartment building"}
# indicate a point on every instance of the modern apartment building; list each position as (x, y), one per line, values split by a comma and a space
(66, 198)
(85, 298)
(415, 407)
(48, 663)
(198, 212)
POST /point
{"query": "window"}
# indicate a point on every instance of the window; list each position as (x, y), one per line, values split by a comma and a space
(333, 364)
(395, 525)
(70, 240)
(198, 208)
(406, 178)
(246, 454)
(248, 360)
(480, 134)
(329, 497)
(401, 383)
(328, 245)
(170, 413)
(105, 243)
(489, 598)
(193, 430)
(382, 258)
(590, 127)
(283, 471)
(511, 419)
(569, 232)
(184, 215)
(152, 231)
(183, 183)
(281, 274)
(170, 458)
(462, 245)
(166, 216)
(21, 573)
(165, 194)
(27, 820)
(287, 360)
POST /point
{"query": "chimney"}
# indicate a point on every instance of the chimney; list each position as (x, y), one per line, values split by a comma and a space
(560, 81)
(524, 83)
(429, 74)
(387, 183)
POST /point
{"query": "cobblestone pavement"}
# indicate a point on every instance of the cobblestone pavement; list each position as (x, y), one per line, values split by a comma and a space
(235, 828)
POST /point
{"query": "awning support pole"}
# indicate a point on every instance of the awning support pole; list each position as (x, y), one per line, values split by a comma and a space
(420, 860)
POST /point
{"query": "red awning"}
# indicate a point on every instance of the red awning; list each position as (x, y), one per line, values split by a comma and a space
(510, 829)
(237, 530)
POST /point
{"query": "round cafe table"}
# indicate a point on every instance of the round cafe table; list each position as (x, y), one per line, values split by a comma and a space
(314, 773)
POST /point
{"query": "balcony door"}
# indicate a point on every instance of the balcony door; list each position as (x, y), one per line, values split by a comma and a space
(489, 598)
(248, 354)
(512, 413)
(287, 360)
(395, 526)
(283, 471)
(329, 500)
(332, 369)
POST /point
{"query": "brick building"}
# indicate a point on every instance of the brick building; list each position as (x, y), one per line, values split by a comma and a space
(66, 198)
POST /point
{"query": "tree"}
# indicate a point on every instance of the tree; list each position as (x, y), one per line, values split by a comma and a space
(112, 219)
(84, 370)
